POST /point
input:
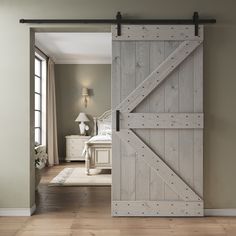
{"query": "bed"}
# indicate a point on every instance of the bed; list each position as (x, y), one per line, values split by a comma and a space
(97, 150)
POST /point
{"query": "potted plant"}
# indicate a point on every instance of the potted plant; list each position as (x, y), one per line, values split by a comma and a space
(41, 158)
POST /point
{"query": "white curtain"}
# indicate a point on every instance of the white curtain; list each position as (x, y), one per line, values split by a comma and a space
(52, 147)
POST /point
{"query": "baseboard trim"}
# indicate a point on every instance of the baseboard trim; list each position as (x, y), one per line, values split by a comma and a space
(30, 211)
(220, 212)
(17, 211)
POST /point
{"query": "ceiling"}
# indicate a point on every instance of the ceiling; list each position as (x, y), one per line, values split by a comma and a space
(76, 48)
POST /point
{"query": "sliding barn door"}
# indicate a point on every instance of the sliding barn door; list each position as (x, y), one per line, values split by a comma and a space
(157, 87)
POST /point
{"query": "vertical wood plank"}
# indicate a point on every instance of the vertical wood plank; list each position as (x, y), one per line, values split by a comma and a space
(142, 169)
(127, 153)
(116, 99)
(198, 133)
(171, 105)
(186, 105)
(156, 104)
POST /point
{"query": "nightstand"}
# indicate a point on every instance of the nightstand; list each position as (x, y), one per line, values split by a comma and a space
(75, 147)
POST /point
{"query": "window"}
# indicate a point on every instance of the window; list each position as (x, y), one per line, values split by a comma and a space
(38, 100)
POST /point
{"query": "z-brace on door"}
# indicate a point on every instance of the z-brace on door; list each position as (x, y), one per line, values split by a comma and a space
(157, 86)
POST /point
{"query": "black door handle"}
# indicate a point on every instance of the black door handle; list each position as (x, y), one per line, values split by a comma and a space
(117, 120)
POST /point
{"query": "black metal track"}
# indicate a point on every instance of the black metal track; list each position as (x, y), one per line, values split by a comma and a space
(119, 21)
(122, 21)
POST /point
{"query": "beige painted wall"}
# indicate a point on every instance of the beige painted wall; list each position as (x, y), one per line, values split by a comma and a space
(69, 82)
(219, 82)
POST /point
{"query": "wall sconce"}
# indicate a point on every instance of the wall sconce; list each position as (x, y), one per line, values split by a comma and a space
(85, 95)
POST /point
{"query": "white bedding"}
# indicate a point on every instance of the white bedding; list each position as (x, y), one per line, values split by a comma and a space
(99, 138)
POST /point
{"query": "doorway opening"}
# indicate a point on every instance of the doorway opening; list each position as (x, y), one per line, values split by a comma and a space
(72, 119)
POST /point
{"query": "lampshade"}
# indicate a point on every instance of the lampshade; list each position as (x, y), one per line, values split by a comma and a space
(84, 92)
(82, 117)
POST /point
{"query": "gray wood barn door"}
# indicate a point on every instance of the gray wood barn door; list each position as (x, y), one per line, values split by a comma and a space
(157, 85)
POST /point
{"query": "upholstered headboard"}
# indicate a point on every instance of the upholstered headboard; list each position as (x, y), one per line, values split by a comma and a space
(104, 118)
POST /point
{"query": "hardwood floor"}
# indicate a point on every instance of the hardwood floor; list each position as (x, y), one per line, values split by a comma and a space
(85, 211)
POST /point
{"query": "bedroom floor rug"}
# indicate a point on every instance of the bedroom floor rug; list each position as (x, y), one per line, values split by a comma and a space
(78, 177)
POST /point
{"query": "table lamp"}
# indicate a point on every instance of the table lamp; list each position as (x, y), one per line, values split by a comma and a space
(82, 118)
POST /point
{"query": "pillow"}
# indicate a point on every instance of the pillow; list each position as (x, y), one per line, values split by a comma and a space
(105, 132)
(104, 127)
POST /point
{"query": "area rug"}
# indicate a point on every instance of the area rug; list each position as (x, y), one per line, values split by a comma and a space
(78, 177)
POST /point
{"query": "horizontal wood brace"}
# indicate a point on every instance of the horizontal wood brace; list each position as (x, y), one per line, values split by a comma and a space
(161, 120)
(155, 78)
(157, 32)
(169, 176)
(157, 208)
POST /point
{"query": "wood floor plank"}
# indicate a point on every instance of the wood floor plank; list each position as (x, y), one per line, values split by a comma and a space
(44, 232)
(96, 233)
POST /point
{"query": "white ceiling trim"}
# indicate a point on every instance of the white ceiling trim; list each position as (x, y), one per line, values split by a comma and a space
(82, 61)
